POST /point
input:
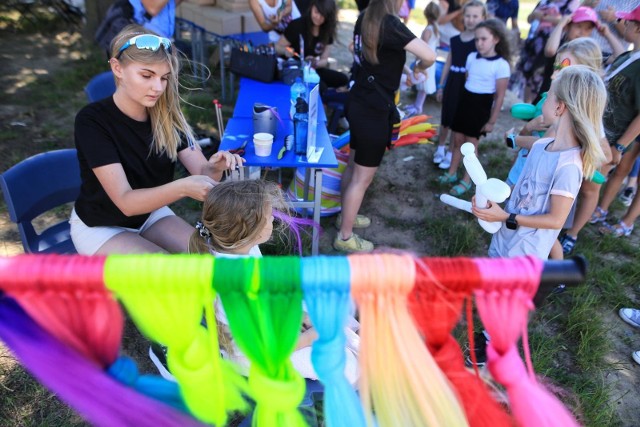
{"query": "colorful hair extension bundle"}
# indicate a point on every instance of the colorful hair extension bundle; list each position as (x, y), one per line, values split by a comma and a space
(325, 284)
(166, 301)
(400, 381)
(504, 305)
(441, 287)
(263, 302)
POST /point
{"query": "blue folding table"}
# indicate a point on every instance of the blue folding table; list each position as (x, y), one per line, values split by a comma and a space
(240, 129)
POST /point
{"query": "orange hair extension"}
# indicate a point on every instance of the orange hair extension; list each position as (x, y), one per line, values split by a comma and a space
(442, 284)
(399, 376)
(66, 296)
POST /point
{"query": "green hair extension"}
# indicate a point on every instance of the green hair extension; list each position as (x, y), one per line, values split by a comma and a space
(262, 298)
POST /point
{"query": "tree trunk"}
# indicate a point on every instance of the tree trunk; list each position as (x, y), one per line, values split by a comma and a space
(96, 10)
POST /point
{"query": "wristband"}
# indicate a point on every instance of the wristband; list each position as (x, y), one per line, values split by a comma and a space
(619, 147)
(511, 141)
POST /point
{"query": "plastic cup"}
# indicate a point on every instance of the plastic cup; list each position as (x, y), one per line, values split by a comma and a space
(263, 142)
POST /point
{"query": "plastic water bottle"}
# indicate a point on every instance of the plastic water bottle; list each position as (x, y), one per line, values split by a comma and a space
(298, 90)
(312, 79)
(300, 126)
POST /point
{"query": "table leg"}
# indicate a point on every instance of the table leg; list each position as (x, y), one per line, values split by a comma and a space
(222, 83)
(305, 189)
(317, 206)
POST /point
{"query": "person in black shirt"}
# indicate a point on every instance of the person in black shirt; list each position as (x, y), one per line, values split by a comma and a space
(128, 145)
(380, 43)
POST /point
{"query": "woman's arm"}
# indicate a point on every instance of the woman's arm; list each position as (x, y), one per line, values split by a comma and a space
(282, 45)
(560, 206)
(498, 99)
(197, 164)
(144, 200)
(425, 54)
(553, 42)
(616, 47)
(265, 24)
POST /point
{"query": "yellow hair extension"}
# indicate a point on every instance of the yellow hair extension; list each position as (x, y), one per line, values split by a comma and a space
(400, 380)
(166, 295)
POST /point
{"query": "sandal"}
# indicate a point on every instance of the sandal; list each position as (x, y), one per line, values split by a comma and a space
(460, 188)
(599, 215)
(447, 179)
(568, 243)
(617, 230)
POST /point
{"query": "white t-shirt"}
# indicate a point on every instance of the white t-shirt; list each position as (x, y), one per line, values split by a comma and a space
(482, 73)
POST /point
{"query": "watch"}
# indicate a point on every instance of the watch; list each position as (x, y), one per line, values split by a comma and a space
(512, 224)
(619, 147)
(511, 141)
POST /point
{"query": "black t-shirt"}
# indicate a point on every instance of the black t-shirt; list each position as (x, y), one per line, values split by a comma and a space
(313, 45)
(391, 59)
(104, 135)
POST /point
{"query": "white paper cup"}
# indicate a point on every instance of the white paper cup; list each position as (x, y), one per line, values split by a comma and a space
(263, 143)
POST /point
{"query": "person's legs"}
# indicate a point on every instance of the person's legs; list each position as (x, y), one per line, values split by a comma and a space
(129, 243)
(352, 197)
(171, 233)
(457, 139)
(464, 184)
(633, 212)
(420, 98)
(619, 174)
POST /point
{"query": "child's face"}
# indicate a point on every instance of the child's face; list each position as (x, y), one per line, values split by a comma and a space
(316, 17)
(267, 228)
(580, 29)
(472, 17)
(486, 42)
(631, 32)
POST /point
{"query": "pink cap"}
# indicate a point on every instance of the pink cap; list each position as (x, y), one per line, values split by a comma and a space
(634, 15)
(585, 14)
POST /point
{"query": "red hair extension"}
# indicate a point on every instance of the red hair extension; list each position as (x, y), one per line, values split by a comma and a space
(66, 296)
(504, 305)
(442, 284)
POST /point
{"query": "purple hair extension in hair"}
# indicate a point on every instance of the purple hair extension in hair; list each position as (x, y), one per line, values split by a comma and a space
(77, 381)
(294, 224)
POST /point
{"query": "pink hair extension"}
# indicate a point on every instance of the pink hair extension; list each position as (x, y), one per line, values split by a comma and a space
(67, 297)
(399, 379)
(504, 305)
(442, 285)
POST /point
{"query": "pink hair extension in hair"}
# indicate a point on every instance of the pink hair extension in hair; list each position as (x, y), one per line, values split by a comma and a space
(67, 297)
(399, 379)
(442, 284)
(504, 305)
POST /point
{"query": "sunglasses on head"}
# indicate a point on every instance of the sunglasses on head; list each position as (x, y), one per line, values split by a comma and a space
(146, 41)
(564, 64)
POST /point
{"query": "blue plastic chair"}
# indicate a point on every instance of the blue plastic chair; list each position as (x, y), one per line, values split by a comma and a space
(37, 185)
(100, 86)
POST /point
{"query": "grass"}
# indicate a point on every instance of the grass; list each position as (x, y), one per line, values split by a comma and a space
(570, 335)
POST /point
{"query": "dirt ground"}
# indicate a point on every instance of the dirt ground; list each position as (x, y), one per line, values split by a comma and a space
(399, 201)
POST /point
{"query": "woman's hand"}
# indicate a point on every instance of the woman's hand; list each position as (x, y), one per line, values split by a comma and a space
(492, 213)
(536, 124)
(439, 95)
(487, 128)
(223, 160)
(197, 187)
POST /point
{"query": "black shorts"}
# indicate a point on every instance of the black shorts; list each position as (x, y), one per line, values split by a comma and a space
(474, 111)
(370, 132)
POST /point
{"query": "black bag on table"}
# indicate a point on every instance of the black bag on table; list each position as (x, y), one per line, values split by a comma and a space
(256, 66)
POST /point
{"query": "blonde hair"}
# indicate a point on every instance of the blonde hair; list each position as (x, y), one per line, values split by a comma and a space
(432, 13)
(586, 51)
(584, 95)
(168, 123)
(235, 213)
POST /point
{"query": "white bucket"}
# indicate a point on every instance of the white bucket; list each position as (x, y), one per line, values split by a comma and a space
(263, 143)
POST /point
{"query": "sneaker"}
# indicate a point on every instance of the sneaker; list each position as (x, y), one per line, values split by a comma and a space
(354, 243)
(438, 157)
(626, 197)
(559, 289)
(616, 230)
(631, 316)
(599, 215)
(480, 339)
(568, 243)
(444, 164)
(158, 355)
(360, 222)
(636, 356)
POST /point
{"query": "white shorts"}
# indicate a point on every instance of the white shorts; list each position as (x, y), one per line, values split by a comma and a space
(88, 240)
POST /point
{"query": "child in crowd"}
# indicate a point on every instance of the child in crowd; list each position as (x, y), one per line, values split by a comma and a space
(543, 196)
(237, 216)
(453, 76)
(622, 126)
(488, 74)
(431, 36)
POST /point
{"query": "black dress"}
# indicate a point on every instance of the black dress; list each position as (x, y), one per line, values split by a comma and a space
(455, 79)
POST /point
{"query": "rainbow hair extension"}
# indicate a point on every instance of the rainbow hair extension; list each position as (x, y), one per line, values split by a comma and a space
(504, 306)
(263, 301)
(166, 296)
(442, 285)
(325, 282)
(294, 224)
(399, 376)
(77, 380)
